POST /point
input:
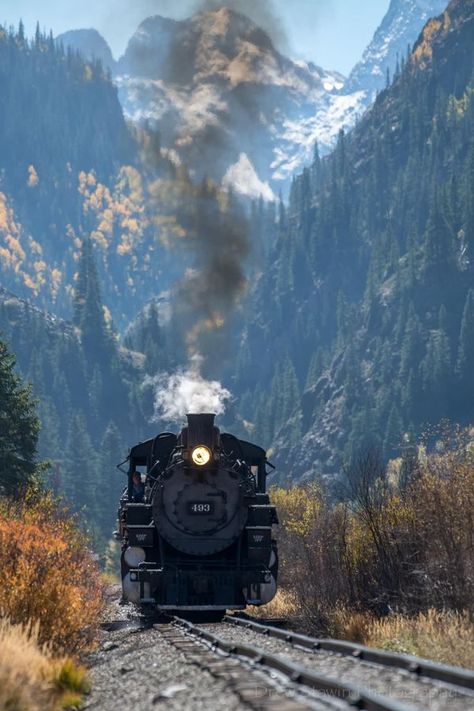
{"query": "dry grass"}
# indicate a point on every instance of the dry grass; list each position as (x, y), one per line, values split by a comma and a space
(350, 625)
(49, 578)
(446, 637)
(30, 678)
(283, 606)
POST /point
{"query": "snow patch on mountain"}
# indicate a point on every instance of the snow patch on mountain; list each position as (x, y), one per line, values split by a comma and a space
(296, 143)
(242, 177)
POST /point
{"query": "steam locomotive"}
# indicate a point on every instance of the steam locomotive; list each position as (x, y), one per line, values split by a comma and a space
(196, 534)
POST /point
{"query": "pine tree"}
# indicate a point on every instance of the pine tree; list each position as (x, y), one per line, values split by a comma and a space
(79, 474)
(37, 36)
(19, 427)
(465, 362)
(437, 246)
(21, 32)
(316, 166)
(111, 481)
(315, 368)
(49, 436)
(393, 432)
(412, 345)
(88, 310)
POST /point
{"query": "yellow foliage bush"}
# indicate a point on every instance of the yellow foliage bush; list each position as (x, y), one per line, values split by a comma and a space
(297, 508)
(47, 574)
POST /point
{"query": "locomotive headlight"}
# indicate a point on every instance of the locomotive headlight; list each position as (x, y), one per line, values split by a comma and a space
(201, 455)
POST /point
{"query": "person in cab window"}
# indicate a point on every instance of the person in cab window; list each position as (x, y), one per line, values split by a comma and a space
(138, 488)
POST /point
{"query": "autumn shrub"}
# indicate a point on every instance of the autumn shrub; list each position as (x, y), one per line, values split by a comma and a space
(48, 577)
(443, 506)
(394, 546)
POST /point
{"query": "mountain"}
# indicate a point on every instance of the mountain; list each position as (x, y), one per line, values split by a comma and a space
(229, 105)
(398, 31)
(225, 101)
(221, 94)
(90, 44)
(361, 329)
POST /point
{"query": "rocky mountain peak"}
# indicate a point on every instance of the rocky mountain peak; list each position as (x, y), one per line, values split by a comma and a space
(212, 45)
(397, 32)
(90, 44)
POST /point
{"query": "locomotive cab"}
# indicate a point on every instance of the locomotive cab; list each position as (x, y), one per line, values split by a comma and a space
(201, 538)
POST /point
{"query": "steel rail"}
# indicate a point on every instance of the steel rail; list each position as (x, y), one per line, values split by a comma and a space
(415, 665)
(353, 695)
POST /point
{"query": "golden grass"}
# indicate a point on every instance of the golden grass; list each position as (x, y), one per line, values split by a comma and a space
(350, 625)
(30, 678)
(283, 606)
(446, 636)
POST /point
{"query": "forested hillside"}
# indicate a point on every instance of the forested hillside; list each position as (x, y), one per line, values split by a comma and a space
(363, 325)
(88, 397)
(71, 168)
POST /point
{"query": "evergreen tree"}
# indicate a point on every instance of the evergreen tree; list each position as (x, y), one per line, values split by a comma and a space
(465, 362)
(49, 436)
(19, 427)
(80, 472)
(437, 247)
(88, 309)
(315, 368)
(393, 433)
(112, 482)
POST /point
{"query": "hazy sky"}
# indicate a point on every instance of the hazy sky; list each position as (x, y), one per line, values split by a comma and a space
(332, 33)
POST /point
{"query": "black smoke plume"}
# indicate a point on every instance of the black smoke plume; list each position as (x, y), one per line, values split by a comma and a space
(211, 235)
(205, 300)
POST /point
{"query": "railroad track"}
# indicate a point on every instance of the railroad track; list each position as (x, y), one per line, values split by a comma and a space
(415, 665)
(271, 667)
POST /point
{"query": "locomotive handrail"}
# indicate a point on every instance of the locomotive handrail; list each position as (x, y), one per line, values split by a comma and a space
(421, 667)
(118, 466)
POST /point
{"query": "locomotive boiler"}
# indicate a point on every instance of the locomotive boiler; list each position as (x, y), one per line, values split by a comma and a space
(196, 522)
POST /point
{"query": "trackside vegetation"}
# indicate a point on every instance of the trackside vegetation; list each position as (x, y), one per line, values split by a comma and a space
(51, 590)
(391, 563)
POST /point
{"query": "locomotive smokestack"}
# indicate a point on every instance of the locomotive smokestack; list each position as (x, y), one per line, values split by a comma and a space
(201, 430)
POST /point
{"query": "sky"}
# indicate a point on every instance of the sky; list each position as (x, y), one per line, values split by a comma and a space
(331, 33)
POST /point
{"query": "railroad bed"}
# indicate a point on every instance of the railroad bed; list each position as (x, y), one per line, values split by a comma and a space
(236, 664)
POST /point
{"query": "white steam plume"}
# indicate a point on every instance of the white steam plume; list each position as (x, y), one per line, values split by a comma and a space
(187, 392)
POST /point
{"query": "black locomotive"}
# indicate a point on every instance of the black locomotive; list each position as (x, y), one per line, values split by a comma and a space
(196, 522)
